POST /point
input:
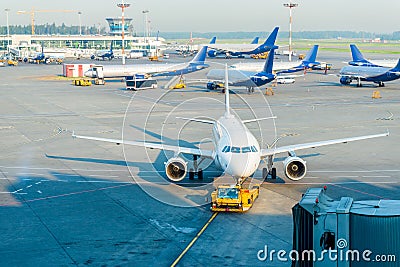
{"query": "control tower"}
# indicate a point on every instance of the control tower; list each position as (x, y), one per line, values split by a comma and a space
(116, 25)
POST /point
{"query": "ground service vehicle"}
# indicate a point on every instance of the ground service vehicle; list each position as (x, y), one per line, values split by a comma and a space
(82, 82)
(139, 82)
(233, 198)
(12, 62)
(215, 85)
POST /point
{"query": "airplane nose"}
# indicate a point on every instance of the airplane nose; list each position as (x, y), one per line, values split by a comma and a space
(241, 167)
(89, 73)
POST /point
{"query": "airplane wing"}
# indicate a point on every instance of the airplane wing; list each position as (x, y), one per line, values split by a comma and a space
(223, 49)
(352, 76)
(176, 149)
(282, 76)
(290, 148)
(235, 76)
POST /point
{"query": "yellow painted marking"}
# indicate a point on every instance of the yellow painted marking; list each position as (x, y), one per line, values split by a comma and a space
(194, 240)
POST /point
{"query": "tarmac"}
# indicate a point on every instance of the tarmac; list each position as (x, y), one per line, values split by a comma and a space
(72, 202)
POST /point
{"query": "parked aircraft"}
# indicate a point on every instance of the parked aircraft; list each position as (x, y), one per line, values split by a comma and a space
(113, 71)
(282, 67)
(240, 50)
(215, 53)
(236, 151)
(374, 74)
(248, 79)
(41, 57)
(104, 54)
(359, 60)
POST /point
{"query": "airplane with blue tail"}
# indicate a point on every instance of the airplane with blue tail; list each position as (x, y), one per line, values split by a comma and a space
(215, 53)
(375, 74)
(359, 60)
(248, 79)
(104, 54)
(150, 70)
(241, 50)
(283, 67)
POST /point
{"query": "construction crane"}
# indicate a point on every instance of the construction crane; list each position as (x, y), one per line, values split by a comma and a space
(32, 13)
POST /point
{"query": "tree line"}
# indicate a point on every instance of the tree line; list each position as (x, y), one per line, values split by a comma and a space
(53, 29)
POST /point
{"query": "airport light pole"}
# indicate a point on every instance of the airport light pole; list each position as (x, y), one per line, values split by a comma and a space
(80, 22)
(290, 5)
(8, 27)
(123, 6)
(145, 12)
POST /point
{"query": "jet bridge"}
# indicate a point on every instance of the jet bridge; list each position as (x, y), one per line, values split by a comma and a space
(345, 233)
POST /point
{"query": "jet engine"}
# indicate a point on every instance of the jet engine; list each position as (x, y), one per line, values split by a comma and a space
(345, 80)
(212, 53)
(176, 169)
(295, 168)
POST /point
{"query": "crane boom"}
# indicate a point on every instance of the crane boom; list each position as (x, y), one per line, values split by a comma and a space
(33, 11)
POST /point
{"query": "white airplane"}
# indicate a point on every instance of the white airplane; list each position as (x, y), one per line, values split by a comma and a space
(241, 50)
(282, 67)
(236, 150)
(375, 74)
(169, 69)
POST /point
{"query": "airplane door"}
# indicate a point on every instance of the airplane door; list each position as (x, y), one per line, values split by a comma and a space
(99, 72)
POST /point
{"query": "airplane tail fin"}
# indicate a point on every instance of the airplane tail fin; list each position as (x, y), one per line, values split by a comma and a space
(269, 62)
(397, 67)
(255, 41)
(213, 40)
(200, 57)
(270, 42)
(356, 54)
(311, 55)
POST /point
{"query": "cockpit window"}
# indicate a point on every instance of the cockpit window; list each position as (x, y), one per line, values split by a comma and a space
(226, 149)
(246, 149)
(235, 149)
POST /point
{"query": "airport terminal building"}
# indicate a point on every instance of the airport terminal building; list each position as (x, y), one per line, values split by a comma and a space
(86, 42)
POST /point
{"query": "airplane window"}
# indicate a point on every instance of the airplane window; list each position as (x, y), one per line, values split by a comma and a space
(235, 149)
(246, 149)
(254, 149)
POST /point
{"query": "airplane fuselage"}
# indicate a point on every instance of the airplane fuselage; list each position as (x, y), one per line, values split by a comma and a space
(370, 74)
(237, 150)
(115, 71)
(242, 78)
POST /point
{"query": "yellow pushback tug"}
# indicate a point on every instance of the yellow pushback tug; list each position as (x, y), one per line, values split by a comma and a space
(234, 198)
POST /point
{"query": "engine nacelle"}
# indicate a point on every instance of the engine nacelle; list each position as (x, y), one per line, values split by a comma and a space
(295, 168)
(345, 80)
(212, 53)
(176, 169)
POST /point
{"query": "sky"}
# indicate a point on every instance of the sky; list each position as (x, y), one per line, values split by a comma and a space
(218, 15)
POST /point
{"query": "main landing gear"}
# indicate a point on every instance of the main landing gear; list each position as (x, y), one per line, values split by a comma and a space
(265, 173)
(250, 90)
(195, 170)
(270, 170)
